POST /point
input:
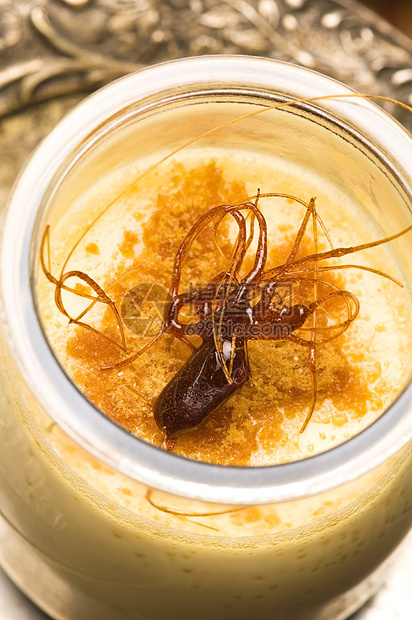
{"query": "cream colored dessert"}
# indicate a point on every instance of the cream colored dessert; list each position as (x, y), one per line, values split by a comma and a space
(109, 547)
(359, 373)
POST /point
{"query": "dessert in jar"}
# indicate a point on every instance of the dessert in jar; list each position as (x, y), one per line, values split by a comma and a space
(245, 514)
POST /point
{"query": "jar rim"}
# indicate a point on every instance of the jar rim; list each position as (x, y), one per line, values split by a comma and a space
(54, 390)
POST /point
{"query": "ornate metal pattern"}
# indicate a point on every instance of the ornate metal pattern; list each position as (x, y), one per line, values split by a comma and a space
(55, 47)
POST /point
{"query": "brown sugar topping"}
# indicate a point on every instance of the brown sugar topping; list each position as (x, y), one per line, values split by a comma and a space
(270, 408)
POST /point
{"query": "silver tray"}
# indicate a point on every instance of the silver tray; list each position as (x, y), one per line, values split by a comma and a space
(53, 52)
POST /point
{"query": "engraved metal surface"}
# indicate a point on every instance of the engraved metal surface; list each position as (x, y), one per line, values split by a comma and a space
(52, 52)
(56, 47)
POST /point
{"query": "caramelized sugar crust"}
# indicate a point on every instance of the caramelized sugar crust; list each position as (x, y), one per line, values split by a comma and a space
(267, 413)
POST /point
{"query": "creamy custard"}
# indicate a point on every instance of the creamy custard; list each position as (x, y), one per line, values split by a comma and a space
(88, 542)
(110, 547)
(359, 373)
(79, 535)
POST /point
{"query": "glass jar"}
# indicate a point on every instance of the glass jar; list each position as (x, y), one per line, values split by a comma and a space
(95, 523)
